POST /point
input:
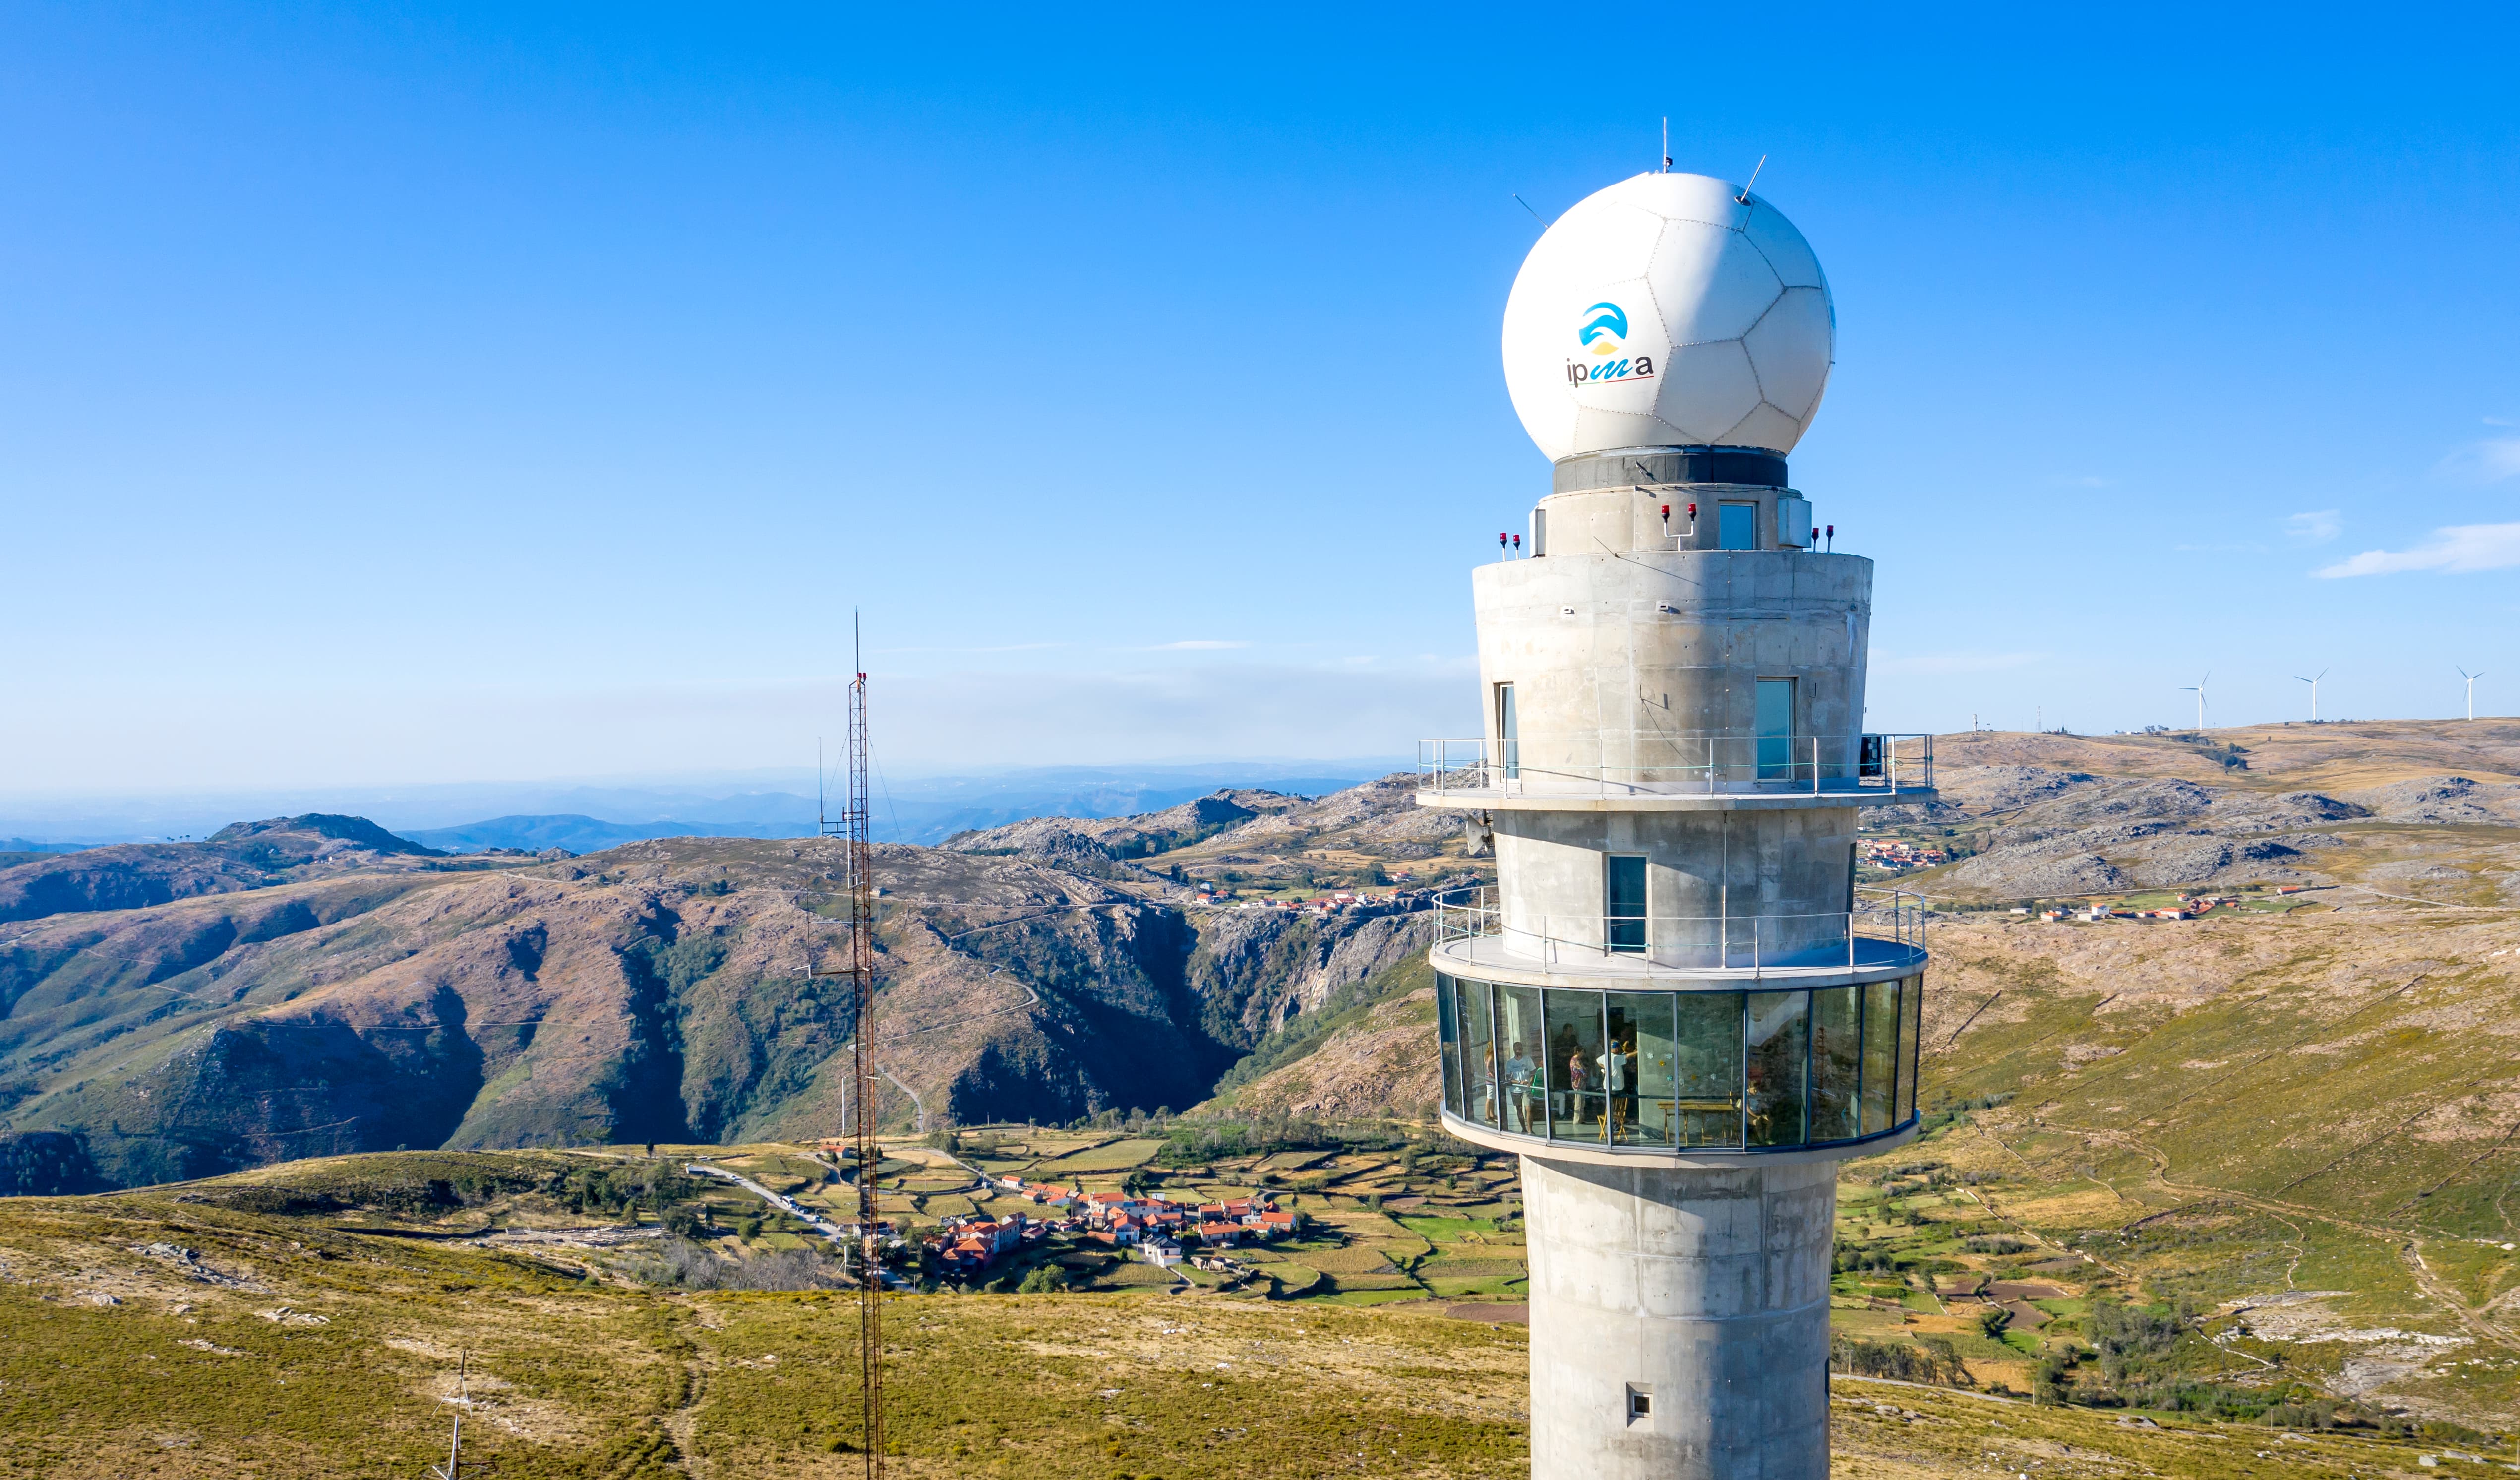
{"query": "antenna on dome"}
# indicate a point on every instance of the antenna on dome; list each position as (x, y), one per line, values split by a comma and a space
(1666, 144)
(1526, 204)
(1743, 198)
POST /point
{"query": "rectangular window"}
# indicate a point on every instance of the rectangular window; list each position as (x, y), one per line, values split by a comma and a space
(1776, 728)
(1578, 1076)
(1737, 526)
(1911, 1016)
(1478, 1067)
(1522, 1075)
(1706, 1069)
(1640, 1078)
(1837, 1058)
(1779, 1049)
(1539, 533)
(1509, 733)
(1449, 1026)
(1624, 903)
(1880, 1055)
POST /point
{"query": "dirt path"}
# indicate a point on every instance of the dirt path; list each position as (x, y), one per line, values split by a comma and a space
(682, 1425)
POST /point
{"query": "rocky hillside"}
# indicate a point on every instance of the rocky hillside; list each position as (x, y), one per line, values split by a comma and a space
(2376, 805)
(1194, 821)
(313, 985)
(240, 856)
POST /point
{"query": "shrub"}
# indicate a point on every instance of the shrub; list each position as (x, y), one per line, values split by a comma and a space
(685, 1265)
(2053, 1382)
(1932, 1359)
(2130, 1338)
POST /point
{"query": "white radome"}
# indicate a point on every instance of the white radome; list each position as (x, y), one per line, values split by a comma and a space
(1669, 310)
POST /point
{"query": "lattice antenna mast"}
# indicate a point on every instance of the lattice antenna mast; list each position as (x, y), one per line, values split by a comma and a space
(857, 825)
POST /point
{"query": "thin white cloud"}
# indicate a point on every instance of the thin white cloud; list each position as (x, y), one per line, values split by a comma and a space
(1954, 662)
(2458, 549)
(2489, 460)
(2316, 527)
(1195, 645)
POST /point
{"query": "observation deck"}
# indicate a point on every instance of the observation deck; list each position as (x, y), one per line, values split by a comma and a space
(1677, 772)
(1698, 1077)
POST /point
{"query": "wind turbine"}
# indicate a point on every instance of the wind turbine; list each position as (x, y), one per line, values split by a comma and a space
(2471, 689)
(2199, 688)
(2314, 692)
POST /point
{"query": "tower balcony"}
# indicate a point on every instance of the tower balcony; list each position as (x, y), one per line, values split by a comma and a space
(1676, 771)
(1884, 936)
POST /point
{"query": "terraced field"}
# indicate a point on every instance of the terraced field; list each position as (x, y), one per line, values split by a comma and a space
(149, 1335)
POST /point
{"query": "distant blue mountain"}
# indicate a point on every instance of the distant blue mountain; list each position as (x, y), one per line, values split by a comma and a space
(578, 834)
(584, 817)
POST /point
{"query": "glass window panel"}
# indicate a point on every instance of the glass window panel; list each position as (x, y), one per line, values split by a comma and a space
(1448, 1024)
(1521, 1047)
(1706, 1077)
(1578, 1102)
(1478, 1069)
(1912, 1015)
(1641, 1069)
(1838, 1053)
(1625, 888)
(1737, 526)
(1880, 1054)
(1780, 1044)
(1775, 722)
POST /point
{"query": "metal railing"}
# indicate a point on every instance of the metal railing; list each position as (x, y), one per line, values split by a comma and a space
(1891, 917)
(1670, 763)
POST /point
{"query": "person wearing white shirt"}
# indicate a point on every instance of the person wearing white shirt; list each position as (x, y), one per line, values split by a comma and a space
(1617, 1065)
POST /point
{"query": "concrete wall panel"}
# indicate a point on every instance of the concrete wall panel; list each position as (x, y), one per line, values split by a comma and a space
(1709, 1289)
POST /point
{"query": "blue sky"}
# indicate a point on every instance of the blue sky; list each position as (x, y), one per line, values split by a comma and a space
(404, 393)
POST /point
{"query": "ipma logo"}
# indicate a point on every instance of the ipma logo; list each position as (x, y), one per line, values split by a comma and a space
(1604, 333)
(1605, 329)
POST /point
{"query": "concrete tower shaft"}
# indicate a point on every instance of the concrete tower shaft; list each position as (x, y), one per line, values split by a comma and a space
(1706, 1293)
(1675, 1005)
(1646, 663)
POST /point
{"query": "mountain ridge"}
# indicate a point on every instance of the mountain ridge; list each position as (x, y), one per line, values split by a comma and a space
(664, 989)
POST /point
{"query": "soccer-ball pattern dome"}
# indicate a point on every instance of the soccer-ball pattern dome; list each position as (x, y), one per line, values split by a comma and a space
(1669, 311)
